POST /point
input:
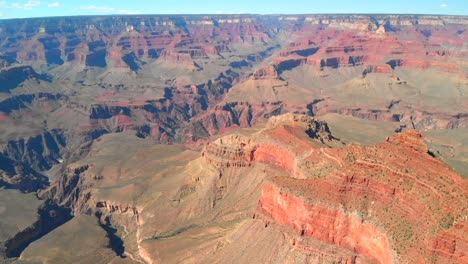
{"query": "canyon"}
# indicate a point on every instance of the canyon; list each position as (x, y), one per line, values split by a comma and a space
(234, 138)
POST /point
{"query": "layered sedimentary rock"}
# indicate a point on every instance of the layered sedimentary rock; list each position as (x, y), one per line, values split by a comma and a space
(93, 45)
(98, 41)
(389, 203)
(369, 203)
(290, 131)
(229, 151)
(267, 72)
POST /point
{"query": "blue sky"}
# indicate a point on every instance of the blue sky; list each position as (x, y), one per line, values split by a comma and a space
(40, 8)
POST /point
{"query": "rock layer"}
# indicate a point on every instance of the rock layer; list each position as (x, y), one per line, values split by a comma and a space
(369, 203)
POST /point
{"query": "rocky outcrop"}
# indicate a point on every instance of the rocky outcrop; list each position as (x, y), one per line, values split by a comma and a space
(314, 128)
(240, 151)
(326, 224)
(178, 57)
(107, 207)
(372, 193)
(385, 69)
(72, 190)
(228, 116)
(267, 72)
(229, 151)
(106, 112)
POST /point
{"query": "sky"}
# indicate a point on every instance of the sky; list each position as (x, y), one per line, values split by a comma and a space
(42, 8)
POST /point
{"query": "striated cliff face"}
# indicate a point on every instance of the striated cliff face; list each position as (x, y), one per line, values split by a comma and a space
(369, 204)
(225, 116)
(229, 151)
(328, 225)
(240, 151)
(72, 189)
(267, 72)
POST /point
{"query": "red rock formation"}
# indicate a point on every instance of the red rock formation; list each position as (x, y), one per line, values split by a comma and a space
(266, 72)
(342, 37)
(33, 50)
(374, 201)
(229, 116)
(173, 56)
(116, 57)
(386, 69)
(229, 151)
(276, 157)
(452, 244)
(378, 201)
(240, 151)
(320, 222)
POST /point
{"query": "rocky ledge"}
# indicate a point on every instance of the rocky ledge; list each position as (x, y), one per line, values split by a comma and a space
(390, 203)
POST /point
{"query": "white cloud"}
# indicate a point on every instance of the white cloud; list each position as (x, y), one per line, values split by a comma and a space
(104, 9)
(129, 12)
(54, 4)
(28, 5)
(31, 4)
(221, 12)
(444, 5)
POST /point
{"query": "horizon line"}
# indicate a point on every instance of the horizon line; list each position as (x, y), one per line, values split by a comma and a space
(237, 14)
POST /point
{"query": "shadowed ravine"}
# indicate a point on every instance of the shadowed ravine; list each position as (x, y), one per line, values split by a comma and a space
(115, 242)
(51, 216)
